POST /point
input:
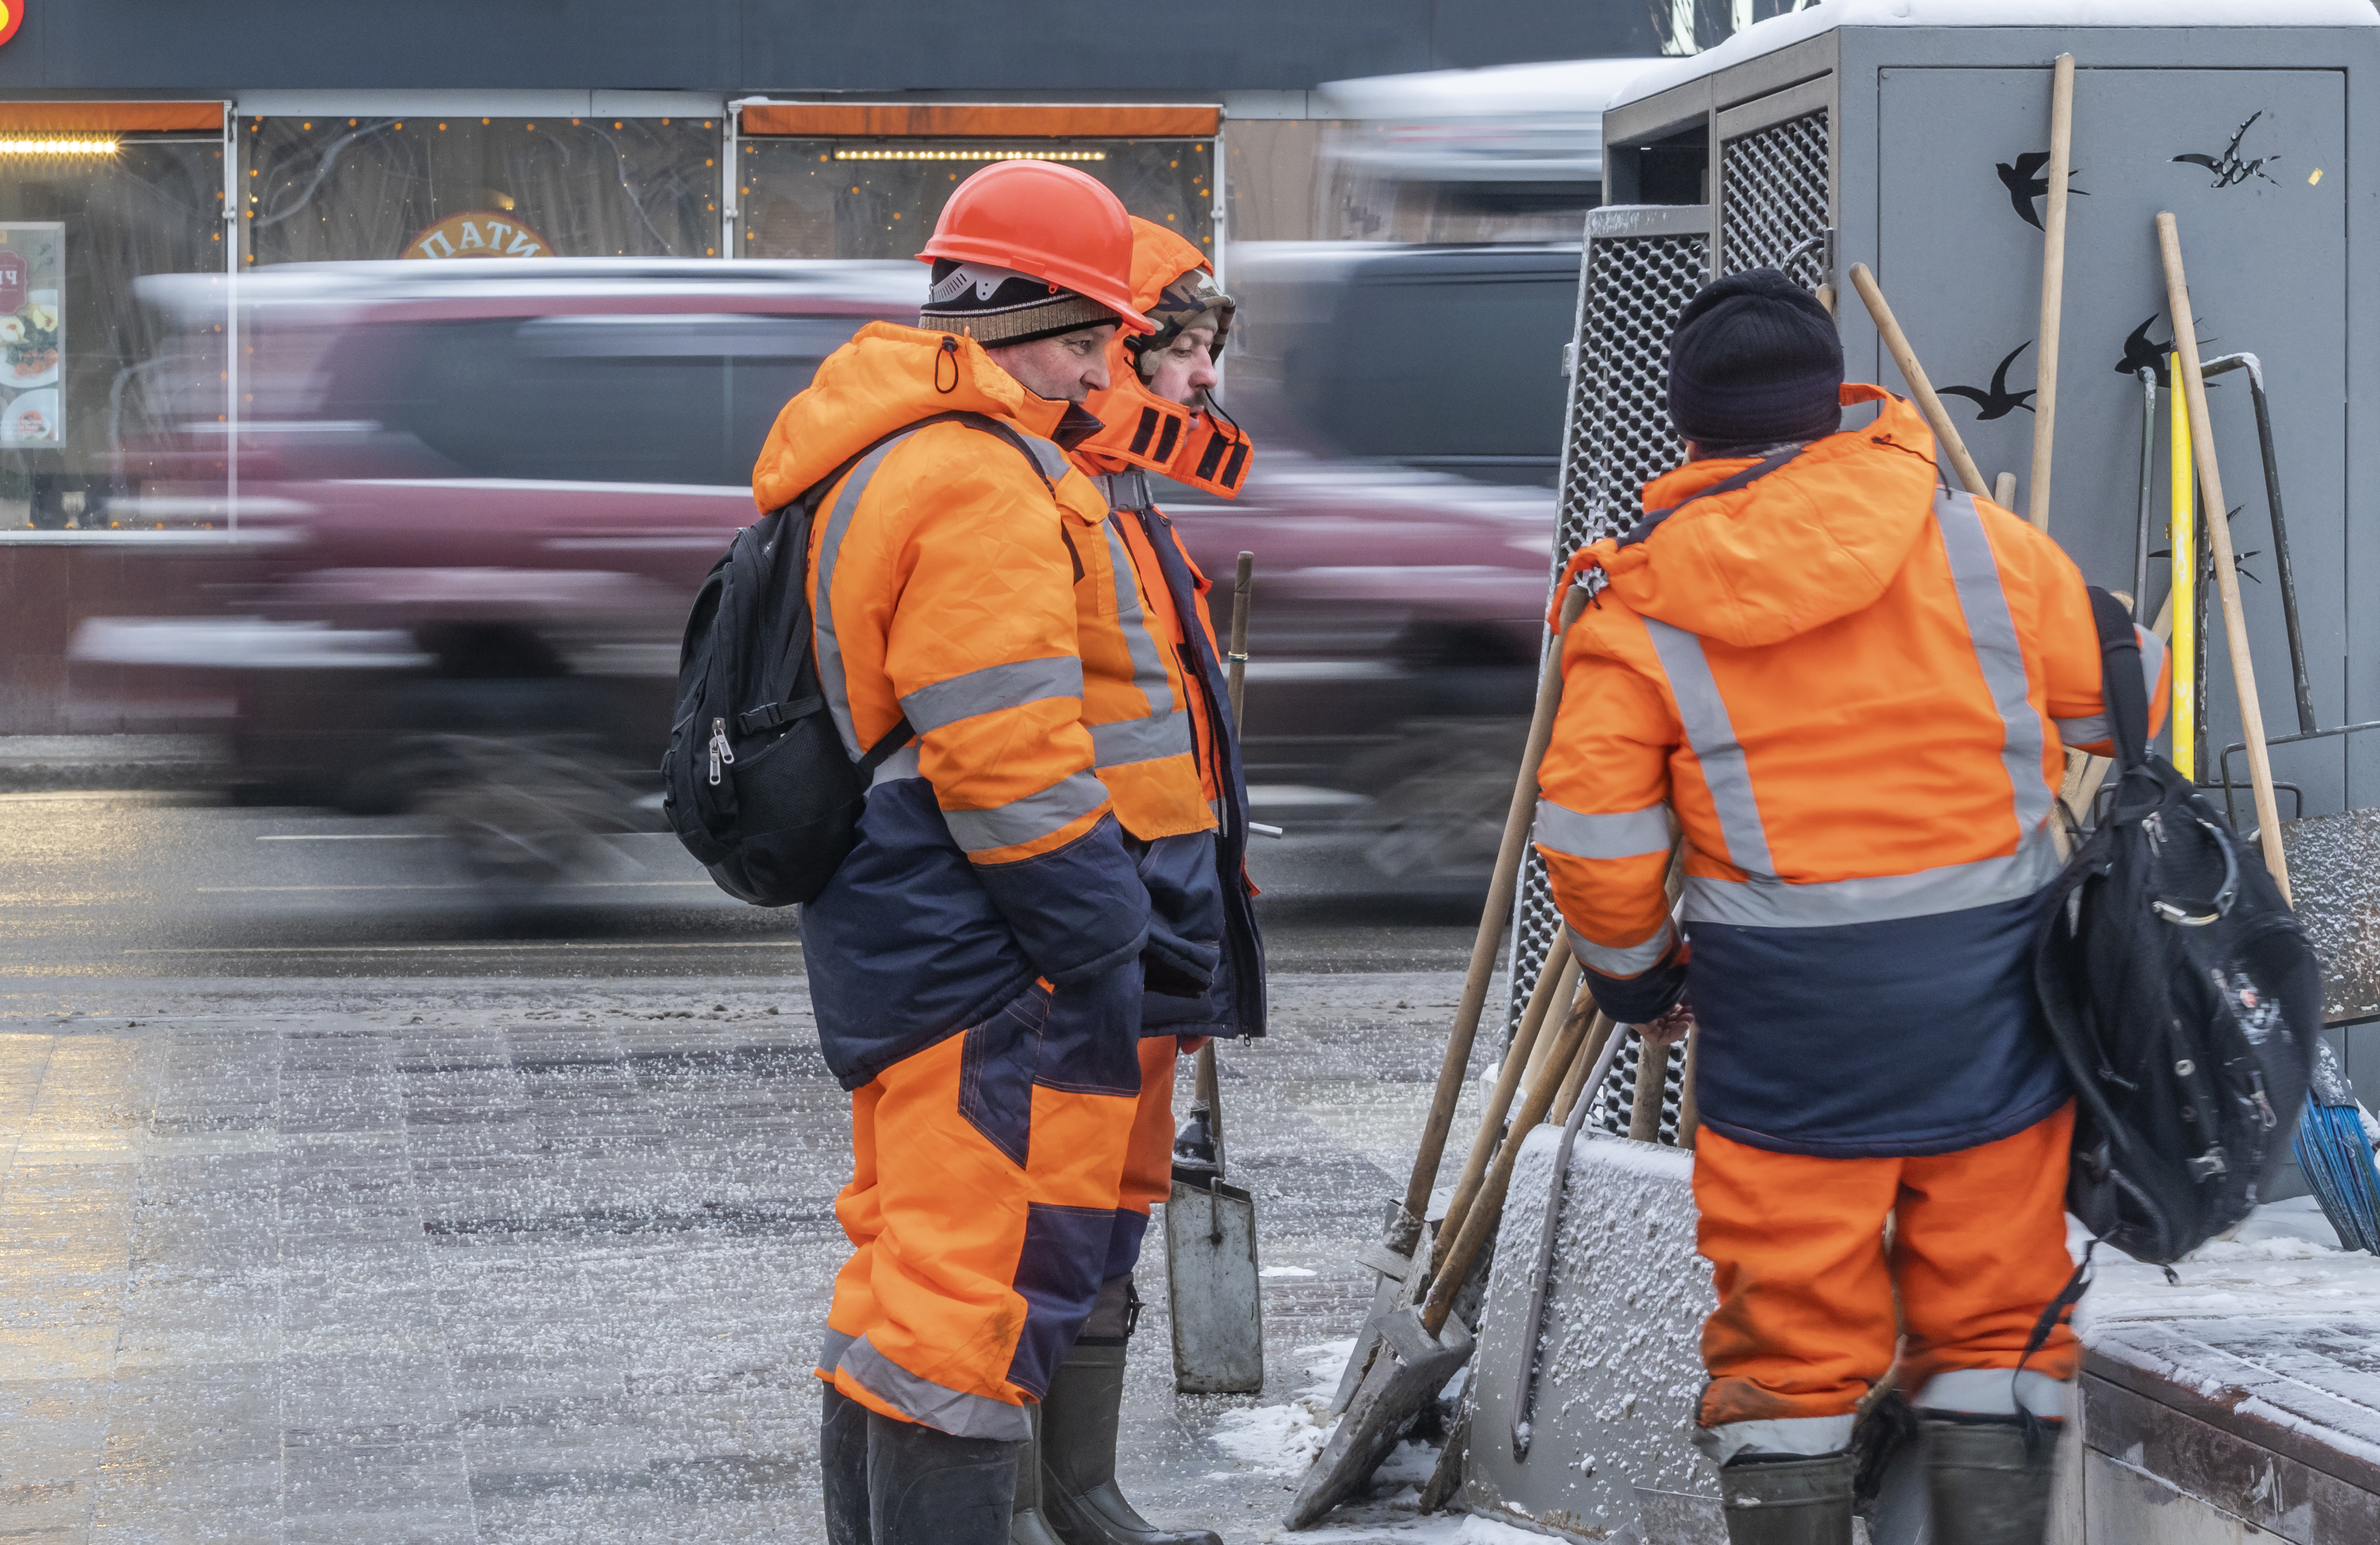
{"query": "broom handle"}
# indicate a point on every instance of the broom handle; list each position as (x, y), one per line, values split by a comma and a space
(2218, 536)
(1492, 917)
(2053, 288)
(1488, 1210)
(1896, 343)
(1558, 969)
(1207, 1090)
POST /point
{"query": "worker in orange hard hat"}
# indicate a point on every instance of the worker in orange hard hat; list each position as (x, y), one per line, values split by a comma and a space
(1163, 743)
(1850, 688)
(978, 962)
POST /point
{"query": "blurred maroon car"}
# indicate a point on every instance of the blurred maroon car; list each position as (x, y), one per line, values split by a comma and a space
(488, 492)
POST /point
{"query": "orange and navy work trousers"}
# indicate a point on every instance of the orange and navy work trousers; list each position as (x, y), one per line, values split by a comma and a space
(1148, 1155)
(982, 1208)
(1805, 1323)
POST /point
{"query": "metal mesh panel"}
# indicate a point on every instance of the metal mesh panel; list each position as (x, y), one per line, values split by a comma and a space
(1619, 440)
(1773, 200)
(1615, 1102)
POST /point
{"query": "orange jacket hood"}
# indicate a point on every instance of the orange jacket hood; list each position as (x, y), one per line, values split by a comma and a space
(887, 376)
(1820, 537)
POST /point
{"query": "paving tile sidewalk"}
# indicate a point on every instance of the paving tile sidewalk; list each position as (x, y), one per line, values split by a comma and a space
(520, 1260)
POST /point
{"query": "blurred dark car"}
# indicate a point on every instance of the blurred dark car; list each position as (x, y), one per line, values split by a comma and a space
(487, 492)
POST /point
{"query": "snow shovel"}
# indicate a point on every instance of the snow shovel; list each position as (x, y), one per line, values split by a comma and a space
(1393, 1255)
(1210, 1228)
(1422, 1346)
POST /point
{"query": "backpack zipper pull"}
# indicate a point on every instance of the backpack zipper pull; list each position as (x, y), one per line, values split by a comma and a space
(720, 752)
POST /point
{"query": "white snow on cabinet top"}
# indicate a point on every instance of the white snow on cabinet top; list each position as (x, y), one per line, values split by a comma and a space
(1778, 32)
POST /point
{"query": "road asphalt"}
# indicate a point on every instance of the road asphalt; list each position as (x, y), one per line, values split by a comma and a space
(343, 1200)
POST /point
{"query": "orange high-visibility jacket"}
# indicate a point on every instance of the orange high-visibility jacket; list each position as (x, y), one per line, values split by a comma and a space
(1852, 689)
(1154, 698)
(942, 590)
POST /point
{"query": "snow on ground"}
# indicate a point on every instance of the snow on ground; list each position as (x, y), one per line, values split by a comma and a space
(2283, 1261)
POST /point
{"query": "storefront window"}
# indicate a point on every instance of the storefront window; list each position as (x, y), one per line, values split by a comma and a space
(83, 217)
(879, 197)
(345, 189)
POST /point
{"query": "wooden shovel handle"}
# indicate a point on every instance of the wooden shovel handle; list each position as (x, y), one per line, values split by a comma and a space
(2218, 535)
(1492, 917)
(1896, 343)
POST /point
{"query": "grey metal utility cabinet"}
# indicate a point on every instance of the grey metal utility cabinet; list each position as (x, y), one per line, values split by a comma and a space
(1904, 134)
(1917, 149)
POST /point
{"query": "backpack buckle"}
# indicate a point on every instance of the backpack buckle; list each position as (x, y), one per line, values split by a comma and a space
(2209, 1164)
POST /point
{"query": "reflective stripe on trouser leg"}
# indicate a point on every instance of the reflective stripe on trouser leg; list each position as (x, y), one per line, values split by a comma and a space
(1149, 1156)
(1805, 1323)
(997, 1155)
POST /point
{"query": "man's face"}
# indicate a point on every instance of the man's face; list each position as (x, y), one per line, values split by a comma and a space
(1186, 369)
(1068, 368)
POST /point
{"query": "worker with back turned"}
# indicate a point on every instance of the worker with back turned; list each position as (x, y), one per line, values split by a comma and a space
(1850, 687)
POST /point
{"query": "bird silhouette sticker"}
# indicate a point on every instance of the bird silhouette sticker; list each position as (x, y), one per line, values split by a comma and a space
(2229, 169)
(2025, 183)
(2139, 352)
(1998, 402)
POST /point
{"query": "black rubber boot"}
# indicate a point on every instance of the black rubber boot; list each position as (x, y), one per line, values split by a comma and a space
(843, 1467)
(928, 1488)
(1787, 1501)
(1078, 1452)
(1986, 1485)
(1028, 1525)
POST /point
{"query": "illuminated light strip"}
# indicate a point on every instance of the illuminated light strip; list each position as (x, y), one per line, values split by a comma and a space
(970, 155)
(10, 145)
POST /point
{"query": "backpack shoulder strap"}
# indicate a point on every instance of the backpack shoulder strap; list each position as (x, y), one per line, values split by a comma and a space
(1046, 459)
(2120, 686)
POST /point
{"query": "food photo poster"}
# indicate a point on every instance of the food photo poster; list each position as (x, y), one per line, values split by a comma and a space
(33, 334)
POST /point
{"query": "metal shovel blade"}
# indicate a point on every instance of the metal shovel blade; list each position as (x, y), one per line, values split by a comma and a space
(1210, 1249)
(1391, 1259)
(1409, 1370)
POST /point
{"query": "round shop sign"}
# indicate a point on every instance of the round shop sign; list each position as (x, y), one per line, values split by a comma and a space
(12, 15)
(476, 233)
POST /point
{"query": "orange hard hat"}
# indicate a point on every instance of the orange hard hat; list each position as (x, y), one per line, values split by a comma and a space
(1050, 221)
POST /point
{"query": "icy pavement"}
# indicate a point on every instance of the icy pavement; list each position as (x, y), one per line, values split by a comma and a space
(377, 1261)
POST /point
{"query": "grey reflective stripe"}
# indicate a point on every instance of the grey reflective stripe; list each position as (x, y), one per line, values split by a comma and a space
(2152, 660)
(1148, 665)
(2093, 728)
(1635, 960)
(1992, 1392)
(1766, 902)
(1046, 455)
(1036, 815)
(993, 688)
(930, 1404)
(1162, 732)
(1993, 632)
(900, 764)
(829, 648)
(1712, 735)
(831, 1353)
(1810, 1435)
(1627, 835)
(1129, 740)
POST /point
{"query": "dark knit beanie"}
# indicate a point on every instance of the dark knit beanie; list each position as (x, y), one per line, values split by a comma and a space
(999, 306)
(1756, 360)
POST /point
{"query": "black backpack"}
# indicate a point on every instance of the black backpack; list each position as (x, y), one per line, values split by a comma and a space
(756, 782)
(2181, 994)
